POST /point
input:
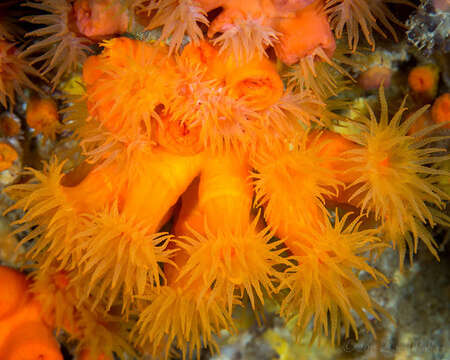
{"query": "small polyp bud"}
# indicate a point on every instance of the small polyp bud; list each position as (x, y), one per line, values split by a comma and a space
(423, 81)
(372, 78)
(422, 122)
(7, 156)
(9, 124)
(97, 18)
(440, 112)
(42, 116)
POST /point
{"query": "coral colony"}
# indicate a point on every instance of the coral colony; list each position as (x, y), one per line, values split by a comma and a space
(201, 169)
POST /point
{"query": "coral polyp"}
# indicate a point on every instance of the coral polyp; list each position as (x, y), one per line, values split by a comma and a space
(55, 210)
(240, 258)
(14, 74)
(137, 246)
(367, 15)
(323, 278)
(278, 169)
(395, 181)
(63, 48)
(176, 17)
(178, 316)
(122, 65)
(189, 161)
(239, 264)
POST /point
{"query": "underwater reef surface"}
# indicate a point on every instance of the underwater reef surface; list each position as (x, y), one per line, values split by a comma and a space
(218, 179)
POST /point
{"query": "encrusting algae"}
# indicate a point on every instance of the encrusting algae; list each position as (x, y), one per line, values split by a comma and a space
(210, 177)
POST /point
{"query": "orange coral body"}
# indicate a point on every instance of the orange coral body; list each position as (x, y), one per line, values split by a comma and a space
(308, 30)
(223, 237)
(23, 334)
(256, 81)
(9, 124)
(221, 198)
(104, 180)
(96, 18)
(334, 149)
(160, 180)
(235, 9)
(30, 340)
(13, 286)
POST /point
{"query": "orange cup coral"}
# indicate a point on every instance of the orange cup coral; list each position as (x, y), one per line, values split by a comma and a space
(129, 230)
(364, 14)
(129, 65)
(177, 315)
(279, 170)
(207, 185)
(396, 186)
(14, 74)
(57, 36)
(55, 210)
(323, 278)
(223, 238)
